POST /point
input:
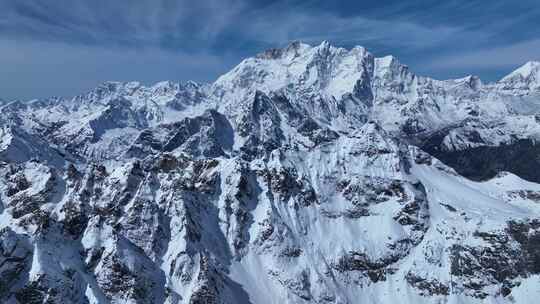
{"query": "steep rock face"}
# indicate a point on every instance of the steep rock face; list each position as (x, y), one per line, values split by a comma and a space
(15, 259)
(207, 135)
(485, 162)
(309, 174)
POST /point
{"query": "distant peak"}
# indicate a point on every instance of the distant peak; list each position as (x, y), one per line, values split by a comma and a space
(526, 77)
(527, 70)
(324, 44)
(387, 61)
(192, 84)
(294, 47)
(389, 64)
(166, 83)
(472, 81)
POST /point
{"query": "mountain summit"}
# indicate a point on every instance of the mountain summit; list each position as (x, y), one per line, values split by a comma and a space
(308, 174)
(526, 76)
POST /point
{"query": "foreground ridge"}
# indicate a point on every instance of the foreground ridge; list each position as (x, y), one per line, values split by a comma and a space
(308, 174)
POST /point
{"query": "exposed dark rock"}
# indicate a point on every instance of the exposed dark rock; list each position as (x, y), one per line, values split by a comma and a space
(15, 260)
(509, 254)
(427, 287)
(485, 162)
(375, 270)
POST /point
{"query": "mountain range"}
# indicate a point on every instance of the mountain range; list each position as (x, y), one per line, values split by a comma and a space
(307, 174)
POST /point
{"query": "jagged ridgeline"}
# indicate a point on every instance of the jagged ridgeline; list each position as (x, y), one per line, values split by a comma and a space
(308, 174)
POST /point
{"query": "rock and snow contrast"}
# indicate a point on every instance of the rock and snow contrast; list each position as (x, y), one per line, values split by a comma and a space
(309, 174)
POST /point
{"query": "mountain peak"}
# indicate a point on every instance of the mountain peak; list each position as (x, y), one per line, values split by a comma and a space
(332, 70)
(387, 61)
(165, 86)
(525, 77)
(526, 70)
(324, 45)
(472, 81)
(297, 48)
(294, 48)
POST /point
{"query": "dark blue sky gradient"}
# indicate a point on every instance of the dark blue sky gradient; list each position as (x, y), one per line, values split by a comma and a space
(65, 47)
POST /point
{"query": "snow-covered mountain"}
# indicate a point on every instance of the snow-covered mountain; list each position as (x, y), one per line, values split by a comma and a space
(308, 174)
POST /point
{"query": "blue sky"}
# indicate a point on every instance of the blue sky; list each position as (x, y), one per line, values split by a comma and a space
(65, 47)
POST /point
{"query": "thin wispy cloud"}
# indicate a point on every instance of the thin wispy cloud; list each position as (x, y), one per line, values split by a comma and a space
(144, 23)
(497, 57)
(356, 30)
